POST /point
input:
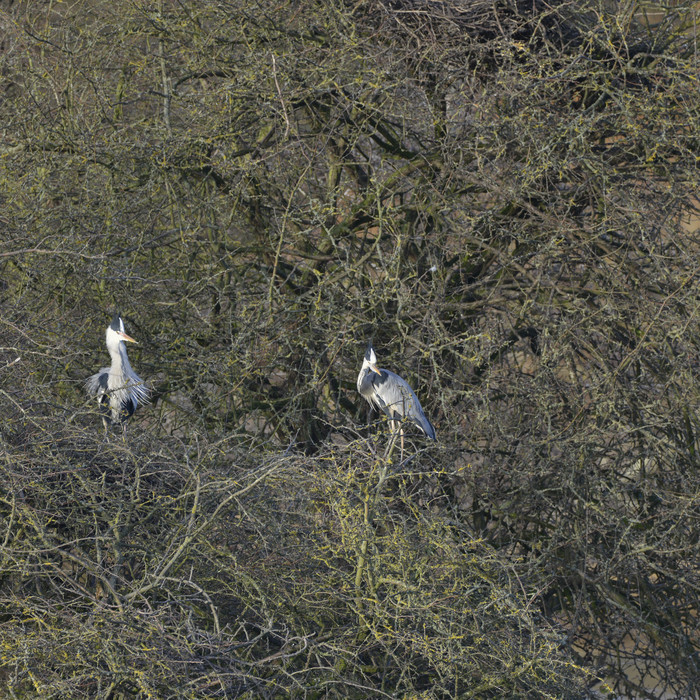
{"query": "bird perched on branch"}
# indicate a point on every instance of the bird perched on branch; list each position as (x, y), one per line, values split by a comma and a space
(391, 393)
(118, 388)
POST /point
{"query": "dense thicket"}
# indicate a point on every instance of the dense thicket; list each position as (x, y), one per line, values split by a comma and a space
(503, 195)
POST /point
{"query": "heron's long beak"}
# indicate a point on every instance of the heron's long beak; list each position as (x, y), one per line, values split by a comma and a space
(374, 368)
(128, 338)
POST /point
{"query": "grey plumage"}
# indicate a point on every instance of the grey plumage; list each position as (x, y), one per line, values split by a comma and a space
(118, 389)
(391, 393)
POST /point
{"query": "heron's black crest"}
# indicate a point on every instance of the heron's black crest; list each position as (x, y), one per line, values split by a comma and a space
(117, 323)
(368, 352)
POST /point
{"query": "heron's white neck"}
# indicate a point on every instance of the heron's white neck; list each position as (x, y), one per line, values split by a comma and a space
(117, 351)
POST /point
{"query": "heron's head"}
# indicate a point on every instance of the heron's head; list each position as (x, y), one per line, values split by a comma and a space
(115, 333)
(371, 359)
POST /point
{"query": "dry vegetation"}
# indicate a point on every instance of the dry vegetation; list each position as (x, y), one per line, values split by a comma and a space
(503, 195)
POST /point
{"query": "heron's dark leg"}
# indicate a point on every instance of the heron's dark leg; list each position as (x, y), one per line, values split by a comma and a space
(127, 410)
(104, 412)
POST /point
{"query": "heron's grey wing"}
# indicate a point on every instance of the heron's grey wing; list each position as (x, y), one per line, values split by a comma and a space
(396, 396)
(97, 383)
(400, 401)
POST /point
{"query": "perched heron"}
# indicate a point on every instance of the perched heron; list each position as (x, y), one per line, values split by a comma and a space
(391, 394)
(118, 388)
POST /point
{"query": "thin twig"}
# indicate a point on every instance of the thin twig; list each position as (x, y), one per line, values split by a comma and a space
(279, 92)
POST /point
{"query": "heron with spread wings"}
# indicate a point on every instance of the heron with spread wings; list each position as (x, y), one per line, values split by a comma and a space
(118, 388)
